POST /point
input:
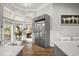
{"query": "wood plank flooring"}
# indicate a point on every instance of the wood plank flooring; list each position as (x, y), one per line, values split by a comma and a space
(31, 49)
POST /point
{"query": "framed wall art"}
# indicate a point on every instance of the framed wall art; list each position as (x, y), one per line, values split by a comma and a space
(70, 19)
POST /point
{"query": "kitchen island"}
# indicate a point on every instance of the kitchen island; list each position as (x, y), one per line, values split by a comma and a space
(11, 51)
(66, 48)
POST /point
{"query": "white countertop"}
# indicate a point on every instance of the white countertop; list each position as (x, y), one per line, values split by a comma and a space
(10, 50)
(70, 48)
(18, 43)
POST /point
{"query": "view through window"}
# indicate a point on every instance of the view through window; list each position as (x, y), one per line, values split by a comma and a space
(7, 32)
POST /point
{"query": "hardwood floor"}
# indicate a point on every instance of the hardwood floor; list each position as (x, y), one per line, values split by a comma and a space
(31, 49)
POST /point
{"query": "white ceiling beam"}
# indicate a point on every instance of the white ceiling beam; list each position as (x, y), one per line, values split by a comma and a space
(41, 7)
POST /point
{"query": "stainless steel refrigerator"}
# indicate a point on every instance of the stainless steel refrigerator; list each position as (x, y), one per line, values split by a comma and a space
(41, 30)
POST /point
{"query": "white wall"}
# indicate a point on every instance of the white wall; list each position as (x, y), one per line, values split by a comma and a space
(55, 11)
(58, 29)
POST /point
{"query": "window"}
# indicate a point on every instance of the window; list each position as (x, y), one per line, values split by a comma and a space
(19, 18)
(8, 13)
(28, 19)
(10, 26)
(7, 32)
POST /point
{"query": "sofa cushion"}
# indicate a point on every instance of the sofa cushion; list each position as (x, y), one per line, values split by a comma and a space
(75, 38)
(65, 39)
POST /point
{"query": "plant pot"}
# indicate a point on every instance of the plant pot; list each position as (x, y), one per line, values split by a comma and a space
(19, 38)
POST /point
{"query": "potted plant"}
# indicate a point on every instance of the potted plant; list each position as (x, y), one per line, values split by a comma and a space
(19, 32)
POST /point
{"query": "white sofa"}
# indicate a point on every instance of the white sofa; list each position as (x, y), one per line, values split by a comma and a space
(75, 38)
(65, 39)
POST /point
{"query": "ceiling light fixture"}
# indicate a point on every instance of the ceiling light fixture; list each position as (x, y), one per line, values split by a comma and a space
(26, 4)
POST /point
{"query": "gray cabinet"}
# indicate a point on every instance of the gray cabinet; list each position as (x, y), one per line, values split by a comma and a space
(41, 30)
